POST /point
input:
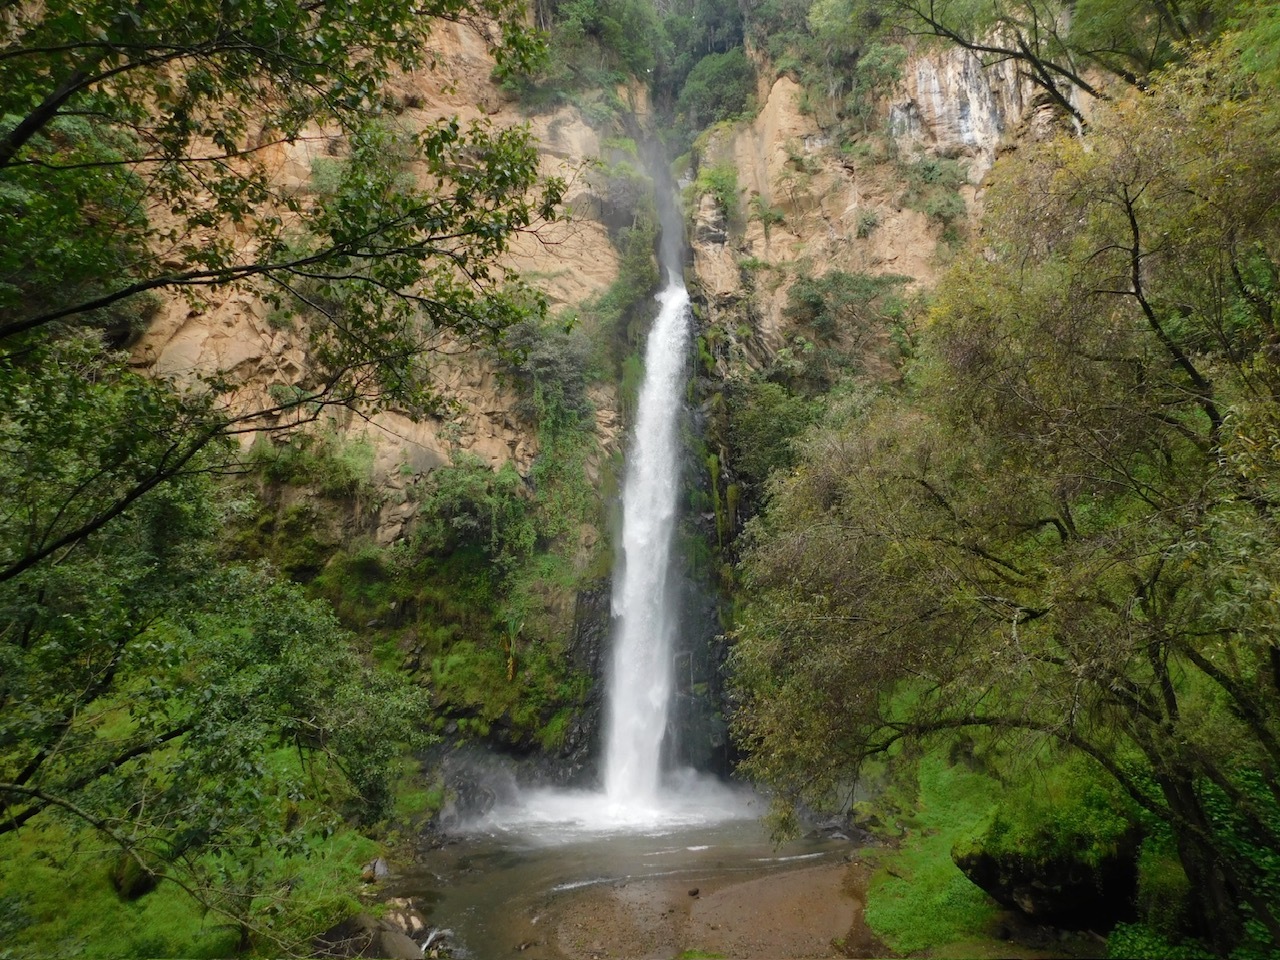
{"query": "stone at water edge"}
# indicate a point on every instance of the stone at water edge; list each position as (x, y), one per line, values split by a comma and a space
(363, 935)
(375, 870)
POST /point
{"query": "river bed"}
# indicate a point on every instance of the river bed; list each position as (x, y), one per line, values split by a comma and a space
(721, 888)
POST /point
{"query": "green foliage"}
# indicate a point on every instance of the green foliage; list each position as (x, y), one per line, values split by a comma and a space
(197, 717)
(552, 366)
(919, 899)
(868, 220)
(59, 901)
(156, 690)
(931, 187)
(1056, 809)
(719, 87)
(334, 468)
(767, 215)
(721, 181)
(767, 417)
(1258, 27)
(371, 241)
(592, 45)
(837, 304)
(833, 48)
(1164, 893)
(616, 316)
(850, 324)
(690, 32)
(470, 505)
(1134, 941)
(631, 382)
(1061, 528)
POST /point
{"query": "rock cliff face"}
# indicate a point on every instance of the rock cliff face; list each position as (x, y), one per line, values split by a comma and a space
(239, 334)
(810, 204)
(952, 105)
(822, 201)
(805, 204)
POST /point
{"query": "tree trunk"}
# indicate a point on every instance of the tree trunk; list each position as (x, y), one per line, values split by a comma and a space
(1217, 916)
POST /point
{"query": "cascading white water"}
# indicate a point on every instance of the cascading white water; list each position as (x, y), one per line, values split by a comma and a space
(640, 678)
(637, 797)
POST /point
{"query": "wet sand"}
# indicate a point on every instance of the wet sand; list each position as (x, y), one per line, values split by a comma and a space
(775, 915)
(808, 912)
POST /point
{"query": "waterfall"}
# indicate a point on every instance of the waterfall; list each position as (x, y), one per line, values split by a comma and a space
(640, 677)
(639, 691)
(638, 795)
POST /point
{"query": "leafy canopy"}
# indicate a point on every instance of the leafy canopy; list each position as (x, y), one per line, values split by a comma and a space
(1063, 534)
(208, 722)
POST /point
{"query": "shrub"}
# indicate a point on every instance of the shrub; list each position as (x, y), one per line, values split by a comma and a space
(721, 181)
(932, 188)
(718, 87)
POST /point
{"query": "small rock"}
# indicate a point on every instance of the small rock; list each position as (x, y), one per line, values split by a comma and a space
(375, 870)
(693, 892)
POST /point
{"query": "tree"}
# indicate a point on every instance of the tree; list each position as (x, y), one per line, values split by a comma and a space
(154, 696)
(1066, 534)
(147, 695)
(1059, 44)
(134, 162)
(719, 86)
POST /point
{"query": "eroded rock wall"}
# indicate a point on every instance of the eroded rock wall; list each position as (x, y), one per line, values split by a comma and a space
(239, 334)
(811, 203)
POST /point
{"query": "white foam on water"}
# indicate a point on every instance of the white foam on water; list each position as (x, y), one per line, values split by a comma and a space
(564, 816)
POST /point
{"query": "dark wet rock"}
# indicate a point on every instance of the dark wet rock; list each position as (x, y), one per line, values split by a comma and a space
(404, 915)
(366, 936)
(698, 734)
(130, 878)
(474, 782)
(1060, 890)
(845, 828)
(375, 870)
(576, 762)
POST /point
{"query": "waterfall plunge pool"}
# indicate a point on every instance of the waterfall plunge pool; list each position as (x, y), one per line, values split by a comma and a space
(563, 876)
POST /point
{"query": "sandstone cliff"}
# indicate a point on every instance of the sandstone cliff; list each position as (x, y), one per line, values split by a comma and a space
(811, 203)
(807, 204)
(569, 261)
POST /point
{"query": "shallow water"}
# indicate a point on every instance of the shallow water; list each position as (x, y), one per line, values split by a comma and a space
(496, 879)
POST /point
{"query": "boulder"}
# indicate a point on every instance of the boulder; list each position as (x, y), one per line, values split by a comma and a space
(363, 935)
(130, 878)
(1059, 889)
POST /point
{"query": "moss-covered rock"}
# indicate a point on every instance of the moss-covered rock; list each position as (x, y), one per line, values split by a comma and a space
(1052, 885)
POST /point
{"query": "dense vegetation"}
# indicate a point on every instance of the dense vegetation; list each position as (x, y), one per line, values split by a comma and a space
(166, 716)
(1055, 540)
(1049, 539)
